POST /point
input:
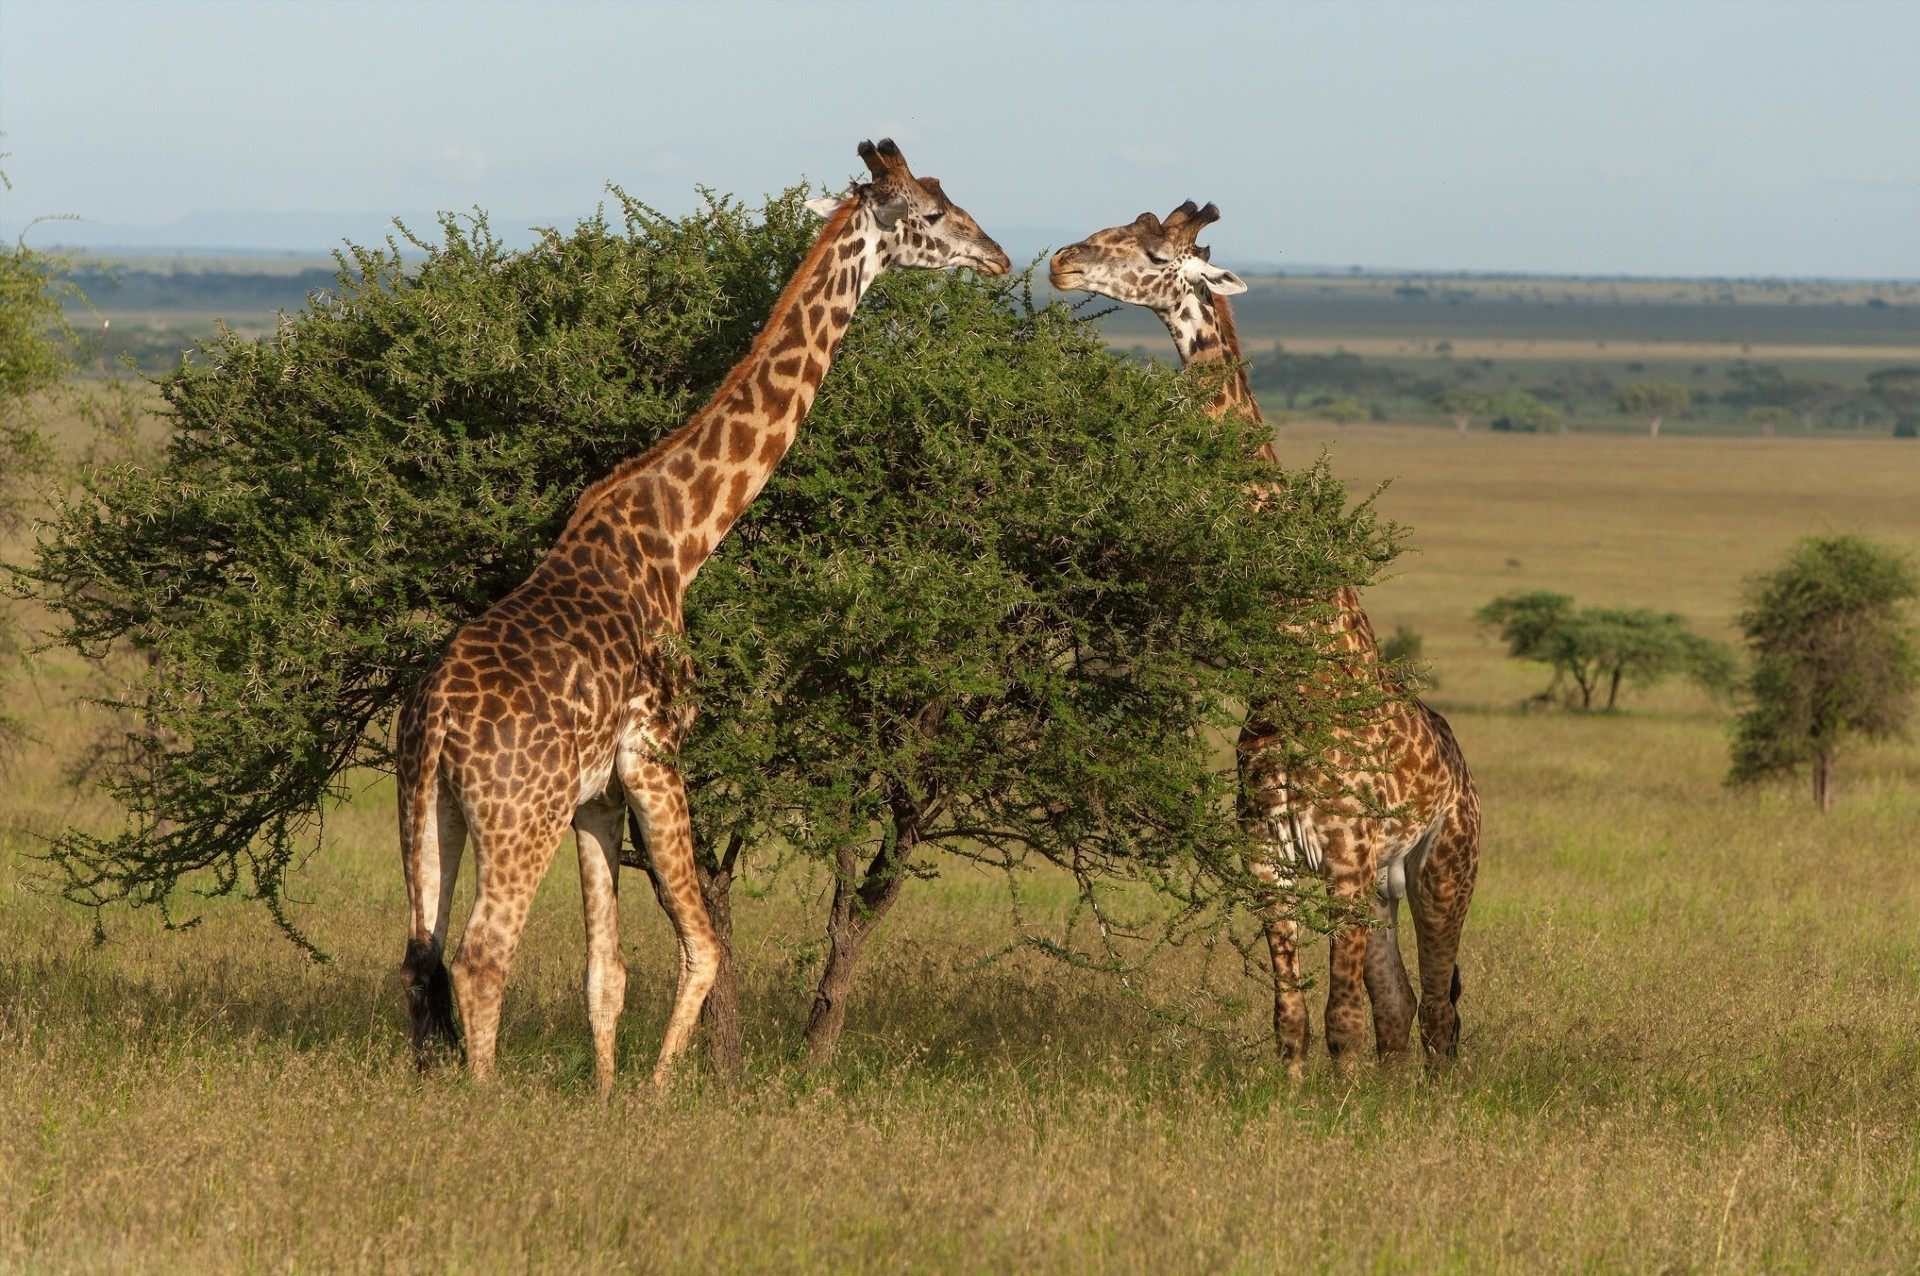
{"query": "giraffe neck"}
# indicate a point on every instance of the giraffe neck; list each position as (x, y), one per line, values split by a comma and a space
(1203, 332)
(686, 492)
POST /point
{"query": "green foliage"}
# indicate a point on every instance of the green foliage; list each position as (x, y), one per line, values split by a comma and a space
(1595, 647)
(1834, 656)
(998, 591)
(1520, 412)
(334, 501)
(1653, 401)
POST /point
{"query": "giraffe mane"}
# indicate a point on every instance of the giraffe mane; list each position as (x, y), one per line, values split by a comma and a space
(788, 300)
(1230, 346)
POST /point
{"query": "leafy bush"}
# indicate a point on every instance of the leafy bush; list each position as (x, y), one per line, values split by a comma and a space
(1834, 657)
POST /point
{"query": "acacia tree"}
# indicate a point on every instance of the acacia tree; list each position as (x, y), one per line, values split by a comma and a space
(1460, 404)
(1834, 657)
(1596, 647)
(1653, 402)
(991, 602)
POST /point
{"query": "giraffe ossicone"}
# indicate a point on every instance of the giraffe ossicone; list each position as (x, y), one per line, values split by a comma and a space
(1427, 849)
(559, 705)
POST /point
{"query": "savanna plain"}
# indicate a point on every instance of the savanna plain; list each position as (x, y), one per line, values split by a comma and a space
(1692, 1014)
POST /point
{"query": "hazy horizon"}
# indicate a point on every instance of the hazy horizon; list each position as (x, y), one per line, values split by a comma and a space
(1621, 139)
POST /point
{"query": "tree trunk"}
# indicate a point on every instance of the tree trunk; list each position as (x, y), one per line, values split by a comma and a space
(856, 911)
(1823, 778)
(1461, 423)
(720, 1014)
(1613, 690)
(1653, 428)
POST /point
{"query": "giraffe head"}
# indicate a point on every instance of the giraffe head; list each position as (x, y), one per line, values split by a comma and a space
(918, 225)
(1147, 262)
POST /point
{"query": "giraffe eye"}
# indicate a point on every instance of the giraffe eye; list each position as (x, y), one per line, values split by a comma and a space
(1157, 259)
(934, 217)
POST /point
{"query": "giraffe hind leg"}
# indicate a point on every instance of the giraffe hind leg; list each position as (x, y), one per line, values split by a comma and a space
(511, 857)
(658, 797)
(1388, 987)
(598, 828)
(1441, 891)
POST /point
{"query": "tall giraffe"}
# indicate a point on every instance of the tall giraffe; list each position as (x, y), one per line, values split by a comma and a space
(1428, 850)
(560, 703)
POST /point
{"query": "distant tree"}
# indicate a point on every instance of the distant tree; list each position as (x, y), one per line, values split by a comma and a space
(1653, 401)
(1595, 647)
(1460, 404)
(1767, 416)
(1521, 413)
(1899, 390)
(1834, 657)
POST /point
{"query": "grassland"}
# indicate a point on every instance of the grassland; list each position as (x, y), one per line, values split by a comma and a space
(1692, 1015)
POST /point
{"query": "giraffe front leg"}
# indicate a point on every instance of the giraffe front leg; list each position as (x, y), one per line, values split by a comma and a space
(657, 796)
(598, 827)
(1291, 1032)
(1350, 860)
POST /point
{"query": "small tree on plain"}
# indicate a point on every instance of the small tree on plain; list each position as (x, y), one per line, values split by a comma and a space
(1596, 648)
(1460, 404)
(1834, 658)
(1653, 402)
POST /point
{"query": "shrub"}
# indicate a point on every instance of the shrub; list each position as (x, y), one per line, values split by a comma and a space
(1833, 658)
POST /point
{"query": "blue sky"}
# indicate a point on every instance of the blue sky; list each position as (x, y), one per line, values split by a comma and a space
(1706, 138)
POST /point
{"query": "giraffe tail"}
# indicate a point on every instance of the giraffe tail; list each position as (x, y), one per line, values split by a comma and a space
(424, 969)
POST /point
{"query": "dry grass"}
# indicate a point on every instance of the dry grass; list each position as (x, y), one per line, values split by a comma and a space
(1692, 1016)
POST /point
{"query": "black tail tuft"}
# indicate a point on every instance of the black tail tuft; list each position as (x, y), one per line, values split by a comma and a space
(1453, 995)
(429, 1002)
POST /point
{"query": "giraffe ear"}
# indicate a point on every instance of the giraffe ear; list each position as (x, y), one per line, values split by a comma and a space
(1218, 279)
(826, 206)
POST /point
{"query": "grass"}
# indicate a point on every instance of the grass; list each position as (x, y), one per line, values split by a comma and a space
(1692, 1015)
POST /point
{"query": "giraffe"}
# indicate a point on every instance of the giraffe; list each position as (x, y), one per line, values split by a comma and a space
(1427, 849)
(561, 704)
